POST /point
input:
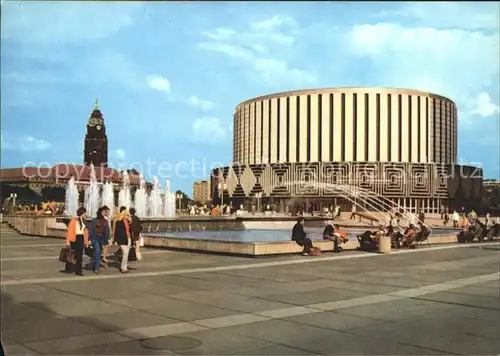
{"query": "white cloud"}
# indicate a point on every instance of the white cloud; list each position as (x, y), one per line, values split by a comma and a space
(258, 48)
(118, 154)
(264, 46)
(64, 22)
(463, 15)
(484, 106)
(455, 63)
(220, 33)
(234, 51)
(23, 143)
(209, 130)
(282, 39)
(274, 69)
(202, 104)
(272, 23)
(159, 83)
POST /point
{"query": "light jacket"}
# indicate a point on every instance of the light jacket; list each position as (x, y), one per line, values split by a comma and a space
(71, 234)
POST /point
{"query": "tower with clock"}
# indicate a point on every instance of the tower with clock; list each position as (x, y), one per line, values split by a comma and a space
(96, 141)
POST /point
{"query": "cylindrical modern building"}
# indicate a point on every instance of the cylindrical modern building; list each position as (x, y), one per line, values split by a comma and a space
(346, 125)
(400, 143)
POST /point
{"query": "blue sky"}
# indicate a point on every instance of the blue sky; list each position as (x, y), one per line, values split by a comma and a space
(169, 75)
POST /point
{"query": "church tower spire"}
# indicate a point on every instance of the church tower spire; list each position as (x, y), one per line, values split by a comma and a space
(96, 141)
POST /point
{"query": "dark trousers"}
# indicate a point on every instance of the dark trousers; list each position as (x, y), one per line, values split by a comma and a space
(76, 246)
(306, 243)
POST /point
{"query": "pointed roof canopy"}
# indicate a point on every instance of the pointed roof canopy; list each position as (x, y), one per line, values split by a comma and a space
(96, 115)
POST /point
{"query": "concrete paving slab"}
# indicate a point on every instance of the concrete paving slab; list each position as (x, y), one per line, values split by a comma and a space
(226, 342)
(49, 327)
(319, 340)
(169, 300)
(133, 347)
(482, 291)
(334, 321)
(422, 333)
(174, 308)
(62, 345)
(14, 348)
(129, 319)
(464, 300)
(155, 331)
(317, 296)
(394, 310)
(230, 301)
(274, 349)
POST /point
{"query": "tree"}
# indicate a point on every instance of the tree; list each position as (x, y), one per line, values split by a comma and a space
(185, 200)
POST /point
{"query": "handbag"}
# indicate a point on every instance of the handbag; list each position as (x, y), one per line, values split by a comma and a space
(141, 241)
(67, 255)
(89, 251)
(315, 251)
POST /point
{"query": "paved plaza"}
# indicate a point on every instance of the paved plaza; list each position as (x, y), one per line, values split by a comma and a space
(429, 301)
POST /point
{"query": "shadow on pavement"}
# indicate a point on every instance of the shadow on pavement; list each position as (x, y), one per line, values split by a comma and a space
(34, 328)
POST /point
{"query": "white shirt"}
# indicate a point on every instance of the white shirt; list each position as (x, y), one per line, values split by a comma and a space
(80, 227)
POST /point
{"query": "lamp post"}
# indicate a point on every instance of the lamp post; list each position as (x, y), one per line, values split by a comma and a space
(221, 187)
(179, 199)
(13, 196)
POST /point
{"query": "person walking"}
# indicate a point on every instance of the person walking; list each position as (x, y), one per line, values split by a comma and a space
(121, 236)
(456, 218)
(77, 238)
(353, 212)
(135, 231)
(421, 216)
(99, 236)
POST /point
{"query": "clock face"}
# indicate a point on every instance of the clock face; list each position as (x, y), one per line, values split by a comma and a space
(99, 127)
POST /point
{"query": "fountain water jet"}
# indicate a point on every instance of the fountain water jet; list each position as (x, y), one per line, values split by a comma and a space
(385, 205)
(124, 196)
(141, 199)
(169, 201)
(72, 196)
(108, 196)
(155, 201)
(92, 195)
(378, 203)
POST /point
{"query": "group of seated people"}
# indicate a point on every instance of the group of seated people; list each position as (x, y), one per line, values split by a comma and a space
(475, 229)
(331, 232)
(368, 241)
(45, 208)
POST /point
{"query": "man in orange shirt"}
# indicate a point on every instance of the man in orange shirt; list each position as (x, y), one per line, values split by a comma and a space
(77, 238)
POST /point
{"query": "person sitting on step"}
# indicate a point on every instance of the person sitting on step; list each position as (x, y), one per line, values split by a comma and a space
(300, 237)
(333, 233)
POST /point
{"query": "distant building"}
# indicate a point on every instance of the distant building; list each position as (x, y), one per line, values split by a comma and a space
(491, 183)
(36, 184)
(201, 191)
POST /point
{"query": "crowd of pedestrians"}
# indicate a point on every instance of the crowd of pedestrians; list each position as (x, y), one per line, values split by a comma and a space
(94, 238)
